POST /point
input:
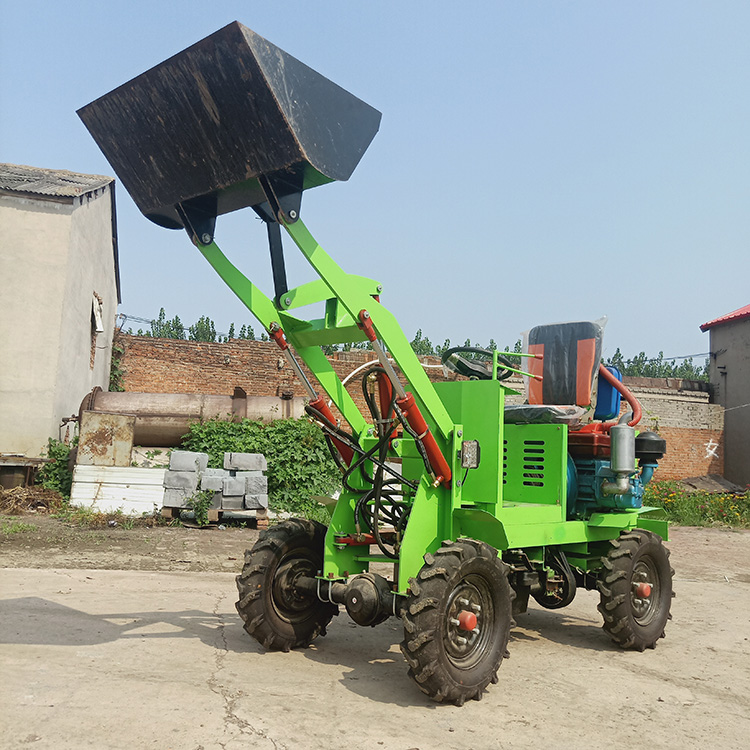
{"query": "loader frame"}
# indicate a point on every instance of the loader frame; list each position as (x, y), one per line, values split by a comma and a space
(495, 503)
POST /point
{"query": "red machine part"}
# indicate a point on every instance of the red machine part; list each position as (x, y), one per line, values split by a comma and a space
(365, 323)
(467, 620)
(320, 405)
(385, 392)
(277, 335)
(359, 540)
(414, 417)
(643, 590)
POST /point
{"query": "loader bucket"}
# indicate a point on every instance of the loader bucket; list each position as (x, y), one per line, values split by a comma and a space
(205, 125)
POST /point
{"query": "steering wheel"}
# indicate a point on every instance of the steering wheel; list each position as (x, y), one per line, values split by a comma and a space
(478, 363)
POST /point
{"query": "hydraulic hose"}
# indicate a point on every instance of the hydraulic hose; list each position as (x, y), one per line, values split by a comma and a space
(626, 394)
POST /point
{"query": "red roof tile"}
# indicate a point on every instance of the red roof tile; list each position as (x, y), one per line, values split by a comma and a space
(743, 312)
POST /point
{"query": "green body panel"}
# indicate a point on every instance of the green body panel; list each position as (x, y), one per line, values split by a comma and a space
(477, 405)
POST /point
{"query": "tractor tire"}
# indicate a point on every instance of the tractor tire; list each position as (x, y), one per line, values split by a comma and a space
(275, 614)
(462, 582)
(635, 587)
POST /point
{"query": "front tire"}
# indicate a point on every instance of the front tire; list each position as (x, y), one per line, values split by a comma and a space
(463, 584)
(275, 613)
(635, 589)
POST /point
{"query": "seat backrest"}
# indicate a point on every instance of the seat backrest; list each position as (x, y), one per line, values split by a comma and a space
(571, 355)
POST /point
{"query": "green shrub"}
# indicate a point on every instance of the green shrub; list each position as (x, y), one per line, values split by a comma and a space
(299, 464)
(699, 508)
(56, 475)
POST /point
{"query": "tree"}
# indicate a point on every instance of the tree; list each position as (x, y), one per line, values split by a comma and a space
(421, 345)
(203, 330)
(658, 367)
(161, 328)
(247, 332)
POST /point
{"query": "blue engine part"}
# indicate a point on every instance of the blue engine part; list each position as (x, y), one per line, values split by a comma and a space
(585, 496)
(607, 397)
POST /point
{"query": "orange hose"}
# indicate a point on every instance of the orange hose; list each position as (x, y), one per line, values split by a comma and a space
(626, 394)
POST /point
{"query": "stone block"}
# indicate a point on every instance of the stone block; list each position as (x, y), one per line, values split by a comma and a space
(233, 486)
(214, 472)
(188, 461)
(254, 502)
(255, 484)
(181, 480)
(245, 461)
(232, 503)
(213, 482)
(174, 498)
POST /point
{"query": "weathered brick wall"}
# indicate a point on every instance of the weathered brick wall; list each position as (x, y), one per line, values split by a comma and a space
(679, 410)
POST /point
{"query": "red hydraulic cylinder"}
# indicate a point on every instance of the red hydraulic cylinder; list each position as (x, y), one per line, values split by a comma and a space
(320, 405)
(414, 417)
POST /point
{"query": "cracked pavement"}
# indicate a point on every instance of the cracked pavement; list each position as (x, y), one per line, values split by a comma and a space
(157, 659)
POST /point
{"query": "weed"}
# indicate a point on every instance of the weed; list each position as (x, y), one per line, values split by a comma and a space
(699, 508)
(12, 526)
(55, 474)
(200, 502)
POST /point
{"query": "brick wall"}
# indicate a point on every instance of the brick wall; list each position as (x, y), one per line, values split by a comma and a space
(679, 410)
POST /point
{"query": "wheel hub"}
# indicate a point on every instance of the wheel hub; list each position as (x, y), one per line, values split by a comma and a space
(643, 589)
(469, 616)
(291, 603)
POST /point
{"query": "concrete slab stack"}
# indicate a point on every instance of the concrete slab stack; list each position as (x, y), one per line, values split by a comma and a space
(240, 485)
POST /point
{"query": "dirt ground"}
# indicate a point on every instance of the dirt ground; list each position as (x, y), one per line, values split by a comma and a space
(54, 544)
(128, 638)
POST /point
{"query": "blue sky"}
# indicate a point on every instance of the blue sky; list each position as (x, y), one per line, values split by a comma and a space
(536, 161)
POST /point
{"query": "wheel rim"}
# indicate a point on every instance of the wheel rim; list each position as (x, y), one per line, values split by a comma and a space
(290, 605)
(645, 608)
(465, 648)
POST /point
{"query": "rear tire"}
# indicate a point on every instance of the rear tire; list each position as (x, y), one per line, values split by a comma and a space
(277, 615)
(633, 620)
(447, 661)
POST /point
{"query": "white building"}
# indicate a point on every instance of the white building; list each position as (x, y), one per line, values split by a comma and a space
(59, 291)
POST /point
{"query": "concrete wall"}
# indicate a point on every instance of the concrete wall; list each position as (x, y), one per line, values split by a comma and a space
(678, 410)
(56, 254)
(730, 378)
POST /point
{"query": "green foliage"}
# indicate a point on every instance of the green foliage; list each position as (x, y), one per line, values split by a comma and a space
(299, 464)
(658, 367)
(246, 332)
(699, 508)
(116, 371)
(56, 475)
(12, 526)
(200, 502)
(203, 330)
(161, 328)
(421, 344)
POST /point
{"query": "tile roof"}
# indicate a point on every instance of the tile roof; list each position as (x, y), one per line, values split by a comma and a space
(56, 183)
(743, 312)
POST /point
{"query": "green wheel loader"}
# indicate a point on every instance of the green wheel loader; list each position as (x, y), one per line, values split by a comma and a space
(455, 508)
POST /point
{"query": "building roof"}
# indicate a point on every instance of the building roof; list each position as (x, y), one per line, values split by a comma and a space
(53, 183)
(62, 185)
(743, 312)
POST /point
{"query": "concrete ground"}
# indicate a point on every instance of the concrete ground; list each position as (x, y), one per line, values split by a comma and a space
(157, 659)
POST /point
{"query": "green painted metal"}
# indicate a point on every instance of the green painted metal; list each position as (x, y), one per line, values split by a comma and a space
(354, 299)
(478, 406)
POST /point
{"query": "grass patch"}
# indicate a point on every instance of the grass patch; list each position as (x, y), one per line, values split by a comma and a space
(88, 518)
(13, 526)
(695, 508)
